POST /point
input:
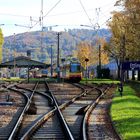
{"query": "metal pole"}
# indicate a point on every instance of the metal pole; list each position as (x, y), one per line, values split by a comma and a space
(100, 56)
(28, 75)
(51, 61)
(14, 65)
(63, 71)
(58, 67)
(14, 57)
(86, 60)
(99, 61)
(86, 72)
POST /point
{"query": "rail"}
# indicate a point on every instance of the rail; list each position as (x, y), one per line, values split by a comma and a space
(49, 97)
(64, 124)
(13, 133)
(38, 124)
(90, 108)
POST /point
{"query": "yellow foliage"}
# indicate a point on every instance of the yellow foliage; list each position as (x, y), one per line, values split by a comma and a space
(104, 54)
(1, 43)
(126, 23)
(86, 51)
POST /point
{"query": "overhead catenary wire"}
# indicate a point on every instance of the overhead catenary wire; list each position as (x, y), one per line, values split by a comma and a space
(72, 12)
(45, 14)
(52, 8)
(85, 12)
(34, 23)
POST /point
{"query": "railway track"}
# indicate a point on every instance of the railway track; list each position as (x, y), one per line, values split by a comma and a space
(97, 122)
(53, 126)
(75, 110)
(12, 112)
(39, 105)
(59, 111)
(28, 125)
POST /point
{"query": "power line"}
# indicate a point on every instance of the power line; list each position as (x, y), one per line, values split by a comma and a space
(8, 14)
(69, 13)
(46, 14)
(85, 12)
(52, 8)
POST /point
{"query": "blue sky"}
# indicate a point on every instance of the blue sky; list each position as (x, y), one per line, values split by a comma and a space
(67, 14)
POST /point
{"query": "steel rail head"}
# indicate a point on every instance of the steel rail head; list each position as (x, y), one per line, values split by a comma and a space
(14, 131)
(61, 117)
(47, 96)
(91, 107)
(42, 93)
(33, 128)
(63, 121)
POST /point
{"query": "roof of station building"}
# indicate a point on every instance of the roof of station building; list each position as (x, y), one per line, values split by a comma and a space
(23, 62)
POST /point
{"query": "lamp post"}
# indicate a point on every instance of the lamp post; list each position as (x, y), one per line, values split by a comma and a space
(86, 60)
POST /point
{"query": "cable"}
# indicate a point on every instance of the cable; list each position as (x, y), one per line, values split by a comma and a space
(45, 14)
(7, 14)
(52, 8)
(85, 12)
(69, 13)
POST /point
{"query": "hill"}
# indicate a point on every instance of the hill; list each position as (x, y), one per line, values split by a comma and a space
(40, 44)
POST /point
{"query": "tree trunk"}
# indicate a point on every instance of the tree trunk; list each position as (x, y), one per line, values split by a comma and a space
(119, 71)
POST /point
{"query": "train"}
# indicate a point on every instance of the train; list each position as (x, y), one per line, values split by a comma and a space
(40, 73)
(71, 70)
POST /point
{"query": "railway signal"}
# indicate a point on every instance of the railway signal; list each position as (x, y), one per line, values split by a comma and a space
(86, 60)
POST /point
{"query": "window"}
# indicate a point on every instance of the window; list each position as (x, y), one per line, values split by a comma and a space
(75, 67)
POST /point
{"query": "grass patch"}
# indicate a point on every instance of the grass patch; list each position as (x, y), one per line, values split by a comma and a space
(125, 112)
(42, 80)
(99, 81)
(12, 79)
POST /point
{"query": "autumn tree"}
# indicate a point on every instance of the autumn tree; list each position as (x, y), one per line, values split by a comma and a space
(86, 51)
(126, 23)
(125, 28)
(114, 47)
(133, 10)
(104, 53)
(1, 43)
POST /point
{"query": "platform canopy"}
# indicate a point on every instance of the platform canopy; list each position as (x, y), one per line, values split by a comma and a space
(24, 62)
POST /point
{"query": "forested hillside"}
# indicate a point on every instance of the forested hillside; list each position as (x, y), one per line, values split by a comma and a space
(40, 44)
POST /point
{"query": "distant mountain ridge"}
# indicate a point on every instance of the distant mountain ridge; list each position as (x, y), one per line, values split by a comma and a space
(40, 43)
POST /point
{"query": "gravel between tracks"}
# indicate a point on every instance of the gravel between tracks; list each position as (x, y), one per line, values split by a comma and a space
(99, 123)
